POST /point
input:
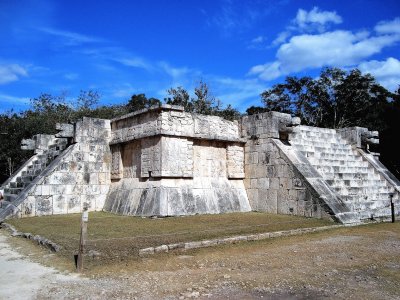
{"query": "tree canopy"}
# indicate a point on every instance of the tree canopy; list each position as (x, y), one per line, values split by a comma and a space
(203, 102)
(336, 99)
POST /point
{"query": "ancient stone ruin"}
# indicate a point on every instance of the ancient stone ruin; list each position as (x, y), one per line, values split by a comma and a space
(163, 161)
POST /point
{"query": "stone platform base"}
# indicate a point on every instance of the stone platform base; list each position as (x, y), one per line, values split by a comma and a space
(175, 197)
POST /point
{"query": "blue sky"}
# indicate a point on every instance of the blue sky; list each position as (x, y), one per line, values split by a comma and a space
(239, 48)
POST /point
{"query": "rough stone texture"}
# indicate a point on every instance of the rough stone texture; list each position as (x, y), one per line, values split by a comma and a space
(359, 137)
(275, 185)
(163, 161)
(170, 196)
(361, 186)
(77, 176)
(170, 120)
(268, 125)
(168, 162)
(231, 240)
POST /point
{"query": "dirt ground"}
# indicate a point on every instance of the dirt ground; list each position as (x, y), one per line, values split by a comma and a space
(360, 262)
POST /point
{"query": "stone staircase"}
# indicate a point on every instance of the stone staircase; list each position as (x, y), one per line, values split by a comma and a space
(353, 178)
(23, 178)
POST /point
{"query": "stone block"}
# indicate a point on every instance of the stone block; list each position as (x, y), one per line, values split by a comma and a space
(285, 183)
(176, 246)
(274, 183)
(263, 183)
(160, 249)
(192, 245)
(146, 251)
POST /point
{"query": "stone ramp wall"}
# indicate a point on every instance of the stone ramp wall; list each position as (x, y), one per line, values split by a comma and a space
(280, 180)
(78, 177)
(46, 149)
(341, 157)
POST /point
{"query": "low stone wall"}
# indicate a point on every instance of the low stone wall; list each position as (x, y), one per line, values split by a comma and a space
(230, 240)
(37, 238)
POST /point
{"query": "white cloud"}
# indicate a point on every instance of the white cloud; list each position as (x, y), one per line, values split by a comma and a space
(71, 76)
(388, 27)
(12, 99)
(336, 48)
(314, 20)
(119, 55)
(339, 48)
(258, 40)
(315, 16)
(124, 90)
(257, 43)
(11, 72)
(267, 71)
(235, 16)
(386, 72)
(70, 38)
(130, 61)
(240, 93)
(281, 38)
(174, 72)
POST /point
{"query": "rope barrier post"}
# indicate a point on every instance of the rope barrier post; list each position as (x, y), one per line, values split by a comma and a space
(392, 206)
(82, 240)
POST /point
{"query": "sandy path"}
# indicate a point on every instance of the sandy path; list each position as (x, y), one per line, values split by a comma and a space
(348, 263)
(21, 278)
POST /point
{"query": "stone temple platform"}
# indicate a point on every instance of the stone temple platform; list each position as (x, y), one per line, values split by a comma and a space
(163, 161)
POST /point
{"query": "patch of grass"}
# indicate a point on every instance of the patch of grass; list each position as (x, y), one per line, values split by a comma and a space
(120, 237)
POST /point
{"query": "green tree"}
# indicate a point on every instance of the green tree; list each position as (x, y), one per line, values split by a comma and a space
(229, 113)
(46, 110)
(179, 96)
(336, 99)
(253, 110)
(203, 102)
(140, 101)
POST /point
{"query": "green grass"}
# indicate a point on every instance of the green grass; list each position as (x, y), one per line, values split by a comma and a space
(119, 237)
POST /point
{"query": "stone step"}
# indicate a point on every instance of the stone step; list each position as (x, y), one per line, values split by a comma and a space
(56, 147)
(313, 150)
(34, 168)
(342, 169)
(13, 191)
(331, 143)
(351, 176)
(336, 162)
(333, 150)
(16, 184)
(10, 197)
(25, 178)
(34, 172)
(356, 183)
(368, 205)
(384, 197)
(347, 157)
(367, 191)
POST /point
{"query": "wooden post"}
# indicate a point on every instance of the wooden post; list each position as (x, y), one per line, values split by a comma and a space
(392, 207)
(82, 241)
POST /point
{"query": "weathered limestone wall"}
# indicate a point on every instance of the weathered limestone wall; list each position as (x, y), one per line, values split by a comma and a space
(79, 177)
(272, 182)
(275, 186)
(168, 162)
(169, 120)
